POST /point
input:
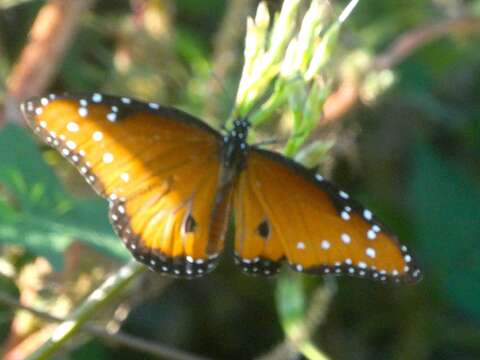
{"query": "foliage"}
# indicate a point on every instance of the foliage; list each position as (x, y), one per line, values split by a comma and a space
(446, 217)
(38, 213)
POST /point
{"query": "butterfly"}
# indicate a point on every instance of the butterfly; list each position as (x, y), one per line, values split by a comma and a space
(172, 183)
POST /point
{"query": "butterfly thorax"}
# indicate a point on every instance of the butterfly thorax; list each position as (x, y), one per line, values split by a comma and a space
(235, 147)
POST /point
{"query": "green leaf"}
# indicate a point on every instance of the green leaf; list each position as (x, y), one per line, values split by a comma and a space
(446, 214)
(290, 301)
(37, 213)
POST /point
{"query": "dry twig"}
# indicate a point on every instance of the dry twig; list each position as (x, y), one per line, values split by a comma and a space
(51, 32)
(118, 338)
(347, 94)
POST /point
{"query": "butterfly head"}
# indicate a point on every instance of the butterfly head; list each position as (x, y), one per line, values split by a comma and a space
(236, 147)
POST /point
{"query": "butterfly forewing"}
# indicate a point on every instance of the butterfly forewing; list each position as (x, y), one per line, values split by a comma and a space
(319, 229)
(158, 167)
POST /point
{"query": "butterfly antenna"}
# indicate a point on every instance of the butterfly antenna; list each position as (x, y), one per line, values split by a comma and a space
(278, 141)
(269, 142)
(212, 104)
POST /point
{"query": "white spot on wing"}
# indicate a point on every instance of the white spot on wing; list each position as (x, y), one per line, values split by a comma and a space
(97, 136)
(71, 144)
(107, 158)
(362, 265)
(72, 126)
(300, 245)
(345, 215)
(325, 244)
(346, 238)
(96, 98)
(367, 214)
(343, 194)
(370, 252)
(82, 111)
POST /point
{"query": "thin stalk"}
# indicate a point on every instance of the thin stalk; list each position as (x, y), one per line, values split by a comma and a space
(97, 299)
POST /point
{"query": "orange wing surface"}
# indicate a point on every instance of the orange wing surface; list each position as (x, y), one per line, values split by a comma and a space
(158, 167)
(284, 210)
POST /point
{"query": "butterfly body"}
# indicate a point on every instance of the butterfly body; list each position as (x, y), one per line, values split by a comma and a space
(173, 183)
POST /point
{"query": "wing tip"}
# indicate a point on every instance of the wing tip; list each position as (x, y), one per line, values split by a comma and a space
(409, 273)
(412, 276)
(33, 106)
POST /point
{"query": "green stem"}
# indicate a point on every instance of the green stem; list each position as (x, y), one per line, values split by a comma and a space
(299, 323)
(311, 352)
(276, 100)
(98, 298)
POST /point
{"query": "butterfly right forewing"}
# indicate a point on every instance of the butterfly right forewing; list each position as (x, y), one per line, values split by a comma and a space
(318, 228)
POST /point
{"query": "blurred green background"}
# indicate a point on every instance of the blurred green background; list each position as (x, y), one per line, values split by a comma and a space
(408, 147)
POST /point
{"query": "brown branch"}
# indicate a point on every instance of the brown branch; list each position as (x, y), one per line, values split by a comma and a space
(410, 41)
(340, 101)
(117, 338)
(51, 32)
(347, 93)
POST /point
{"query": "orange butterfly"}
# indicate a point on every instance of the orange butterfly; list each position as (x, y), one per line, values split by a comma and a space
(172, 181)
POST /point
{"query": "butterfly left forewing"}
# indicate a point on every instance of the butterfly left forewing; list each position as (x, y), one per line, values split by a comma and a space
(111, 139)
(321, 230)
(158, 167)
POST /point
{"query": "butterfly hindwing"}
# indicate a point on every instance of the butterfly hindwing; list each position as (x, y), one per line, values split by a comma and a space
(174, 222)
(158, 167)
(318, 228)
(258, 249)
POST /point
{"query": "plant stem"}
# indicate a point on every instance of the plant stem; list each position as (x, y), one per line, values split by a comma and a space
(101, 296)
